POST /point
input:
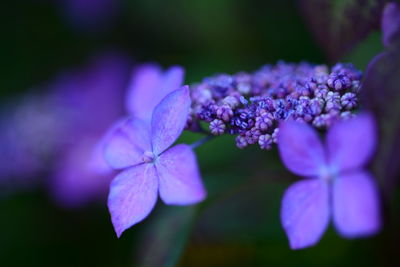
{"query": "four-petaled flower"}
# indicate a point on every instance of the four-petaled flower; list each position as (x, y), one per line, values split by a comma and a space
(336, 184)
(141, 149)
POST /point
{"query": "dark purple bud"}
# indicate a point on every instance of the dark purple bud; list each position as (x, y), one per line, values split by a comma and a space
(231, 101)
(264, 122)
(255, 133)
(265, 141)
(224, 113)
(346, 115)
(316, 106)
(349, 101)
(319, 121)
(207, 113)
(217, 127)
(291, 102)
(332, 101)
(339, 82)
(275, 135)
(241, 142)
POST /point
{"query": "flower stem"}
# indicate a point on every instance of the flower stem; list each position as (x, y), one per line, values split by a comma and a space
(201, 141)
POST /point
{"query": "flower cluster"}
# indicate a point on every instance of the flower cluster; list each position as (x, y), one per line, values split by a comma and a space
(250, 105)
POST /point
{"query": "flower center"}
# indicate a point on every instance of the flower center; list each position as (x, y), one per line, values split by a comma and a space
(328, 173)
(148, 157)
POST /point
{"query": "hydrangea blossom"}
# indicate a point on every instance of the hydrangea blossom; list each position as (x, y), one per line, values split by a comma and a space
(250, 105)
(149, 166)
(336, 184)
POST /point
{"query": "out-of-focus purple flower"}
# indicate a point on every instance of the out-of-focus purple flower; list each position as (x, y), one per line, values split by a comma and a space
(336, 185)
(90, 15)
(92, 99)
(149, 166)
(55, 134)
(390, 23)
(30, 128)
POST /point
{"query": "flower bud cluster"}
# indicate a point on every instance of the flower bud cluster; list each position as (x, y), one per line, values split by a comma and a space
(250, 105)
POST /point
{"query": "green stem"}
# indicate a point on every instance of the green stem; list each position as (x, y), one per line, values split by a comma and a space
(201, 141)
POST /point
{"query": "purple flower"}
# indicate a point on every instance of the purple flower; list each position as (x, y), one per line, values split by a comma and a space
(336, 183)
(149, 166)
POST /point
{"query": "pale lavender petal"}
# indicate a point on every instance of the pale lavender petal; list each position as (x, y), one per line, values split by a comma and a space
(149, 86)
(172, 80)
(300, 148)
(169, 119)
(356, 209)
(390, 23)
(133, 194)
(351, 143)
(179, 176)
(127, 143)
(305, 212)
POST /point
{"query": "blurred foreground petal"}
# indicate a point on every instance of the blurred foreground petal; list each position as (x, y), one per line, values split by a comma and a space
(356, 211)
(300, 148)
(305, 212)
(351, 143)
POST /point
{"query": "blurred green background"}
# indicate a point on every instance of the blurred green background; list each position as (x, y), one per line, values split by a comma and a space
(239, 223)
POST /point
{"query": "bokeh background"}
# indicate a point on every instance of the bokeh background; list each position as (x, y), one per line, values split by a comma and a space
(96, 43)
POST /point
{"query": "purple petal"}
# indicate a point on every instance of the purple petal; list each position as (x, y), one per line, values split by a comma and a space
(169, 119)
(127, 143)
(149, 86)
(300, 148)
(180, 182)
(133, 194)
(356, 205)
(351, 143)
(390, 23)
(305, 212)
